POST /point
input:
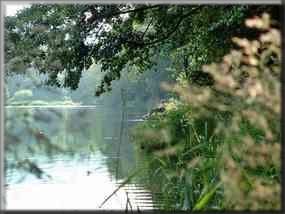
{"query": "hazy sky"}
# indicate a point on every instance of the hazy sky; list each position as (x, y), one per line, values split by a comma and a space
(11, 9)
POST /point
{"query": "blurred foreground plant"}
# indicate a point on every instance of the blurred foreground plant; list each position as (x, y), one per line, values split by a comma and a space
(218, 147)
(247, 84)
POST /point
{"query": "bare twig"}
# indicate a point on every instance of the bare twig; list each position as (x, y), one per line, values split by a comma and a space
(120, 186)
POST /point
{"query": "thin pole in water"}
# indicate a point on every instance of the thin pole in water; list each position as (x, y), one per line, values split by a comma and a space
(121, 129)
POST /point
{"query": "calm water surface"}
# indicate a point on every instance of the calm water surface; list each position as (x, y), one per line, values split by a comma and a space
(103, 159)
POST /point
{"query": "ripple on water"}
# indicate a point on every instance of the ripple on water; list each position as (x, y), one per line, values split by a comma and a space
(72, 189)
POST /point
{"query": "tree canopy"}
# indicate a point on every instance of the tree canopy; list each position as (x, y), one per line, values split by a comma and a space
(69, 38)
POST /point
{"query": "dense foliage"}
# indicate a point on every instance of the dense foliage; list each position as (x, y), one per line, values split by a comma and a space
(57, 38)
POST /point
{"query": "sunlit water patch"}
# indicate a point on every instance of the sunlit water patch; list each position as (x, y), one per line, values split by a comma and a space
(75, 185)
(84, 180)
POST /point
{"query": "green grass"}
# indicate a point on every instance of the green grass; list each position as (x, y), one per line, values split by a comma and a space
(187, 168)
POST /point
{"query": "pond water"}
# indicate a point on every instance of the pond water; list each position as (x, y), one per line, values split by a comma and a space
(98, 159)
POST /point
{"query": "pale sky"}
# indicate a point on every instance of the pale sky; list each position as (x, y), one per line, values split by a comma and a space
(11, 9)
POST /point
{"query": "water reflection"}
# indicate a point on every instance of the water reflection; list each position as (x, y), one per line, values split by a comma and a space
(97, 159)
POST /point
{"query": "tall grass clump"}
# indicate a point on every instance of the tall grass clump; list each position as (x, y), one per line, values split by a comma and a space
(232, 162)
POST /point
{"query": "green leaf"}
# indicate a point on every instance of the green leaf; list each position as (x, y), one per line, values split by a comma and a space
(206, 198)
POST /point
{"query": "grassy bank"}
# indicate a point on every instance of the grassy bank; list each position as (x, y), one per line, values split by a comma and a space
(218, 147)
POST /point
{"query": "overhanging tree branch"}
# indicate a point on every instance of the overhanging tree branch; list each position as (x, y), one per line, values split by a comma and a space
(141, 43)
(147, 27)
(94, 13)
(137, 9)
(172, 31)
